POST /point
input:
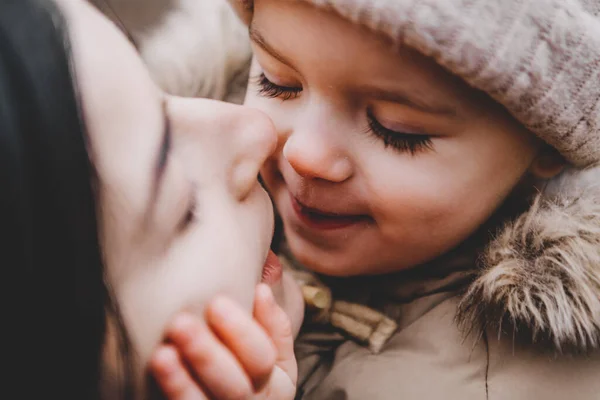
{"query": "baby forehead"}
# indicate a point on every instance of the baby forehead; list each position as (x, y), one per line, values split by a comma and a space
(295, 25)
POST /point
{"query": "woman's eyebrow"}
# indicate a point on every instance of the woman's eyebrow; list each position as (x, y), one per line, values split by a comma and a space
(161, 158)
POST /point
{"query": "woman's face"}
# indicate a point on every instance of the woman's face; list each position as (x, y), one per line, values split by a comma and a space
(181, 212)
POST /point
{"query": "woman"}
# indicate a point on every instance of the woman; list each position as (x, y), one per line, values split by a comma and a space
(121, 206)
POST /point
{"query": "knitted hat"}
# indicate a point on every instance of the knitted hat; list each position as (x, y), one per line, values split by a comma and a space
(540, 59)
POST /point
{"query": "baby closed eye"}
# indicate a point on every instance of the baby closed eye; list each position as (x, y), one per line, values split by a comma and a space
(266, 88)
(412, 143)
(403, 142)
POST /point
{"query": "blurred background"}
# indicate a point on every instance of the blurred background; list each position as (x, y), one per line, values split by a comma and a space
(193, 48)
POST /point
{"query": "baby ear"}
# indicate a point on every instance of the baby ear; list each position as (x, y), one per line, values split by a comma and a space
(548, 163)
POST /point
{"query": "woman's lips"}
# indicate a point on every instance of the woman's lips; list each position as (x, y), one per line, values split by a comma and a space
(272, 270)
(323, 220)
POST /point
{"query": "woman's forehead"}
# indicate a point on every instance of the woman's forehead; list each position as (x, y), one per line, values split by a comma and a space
(122, 107)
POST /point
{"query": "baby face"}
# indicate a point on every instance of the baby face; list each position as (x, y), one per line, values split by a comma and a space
(385, 160)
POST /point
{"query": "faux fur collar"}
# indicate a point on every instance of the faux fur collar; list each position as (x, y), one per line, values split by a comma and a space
(541, 275)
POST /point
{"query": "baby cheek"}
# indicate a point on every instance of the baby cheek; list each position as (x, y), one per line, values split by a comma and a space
(461, 213)
(410, 192)
(425, 210)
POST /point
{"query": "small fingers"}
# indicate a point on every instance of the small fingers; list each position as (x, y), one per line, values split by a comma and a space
(172, 376)
(212, 363)
(279, 328)
(246, 339)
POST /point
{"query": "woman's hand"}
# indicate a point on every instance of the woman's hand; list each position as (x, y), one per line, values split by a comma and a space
(230, 355)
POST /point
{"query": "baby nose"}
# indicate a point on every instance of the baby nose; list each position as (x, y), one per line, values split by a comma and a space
(255, 142)
(314, 158)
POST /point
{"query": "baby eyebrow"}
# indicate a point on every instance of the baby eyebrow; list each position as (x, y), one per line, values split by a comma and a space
(260, 40)
(410, 101)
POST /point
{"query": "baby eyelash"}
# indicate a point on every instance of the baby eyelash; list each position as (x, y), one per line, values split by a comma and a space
(267, 88)
(403, 142)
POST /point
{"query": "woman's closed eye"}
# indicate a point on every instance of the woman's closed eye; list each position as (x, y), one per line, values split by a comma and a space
(266, 88)
(165, 165)
(412, 143)
(191, 210)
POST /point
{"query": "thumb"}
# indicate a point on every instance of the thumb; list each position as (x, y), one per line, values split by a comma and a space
(279, 328)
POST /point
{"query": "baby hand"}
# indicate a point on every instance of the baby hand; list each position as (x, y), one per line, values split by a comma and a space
(231, 355)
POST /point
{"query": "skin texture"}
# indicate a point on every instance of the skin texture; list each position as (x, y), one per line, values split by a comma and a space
(199, 228)
(452, 159)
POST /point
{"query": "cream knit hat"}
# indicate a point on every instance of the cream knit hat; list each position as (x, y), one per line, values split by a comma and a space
(538, 58)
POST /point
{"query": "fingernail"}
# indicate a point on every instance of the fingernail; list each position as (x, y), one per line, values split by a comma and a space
(165, 359)
(266, 293)
(183, 322)
(222, 306)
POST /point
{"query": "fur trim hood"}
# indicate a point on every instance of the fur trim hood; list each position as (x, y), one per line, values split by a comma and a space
(540, 280)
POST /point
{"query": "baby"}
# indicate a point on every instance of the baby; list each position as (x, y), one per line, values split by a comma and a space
(435, 174)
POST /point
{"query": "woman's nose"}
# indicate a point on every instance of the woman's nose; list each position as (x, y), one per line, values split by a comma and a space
(255, 141)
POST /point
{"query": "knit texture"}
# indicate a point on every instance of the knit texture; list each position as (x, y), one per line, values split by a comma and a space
(538, 58)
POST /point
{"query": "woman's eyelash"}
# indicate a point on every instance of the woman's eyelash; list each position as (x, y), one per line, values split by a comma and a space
(190, 215)
(403, 142)
(267, 88)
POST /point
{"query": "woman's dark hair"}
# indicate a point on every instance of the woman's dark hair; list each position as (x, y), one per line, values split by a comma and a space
(54, 311)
